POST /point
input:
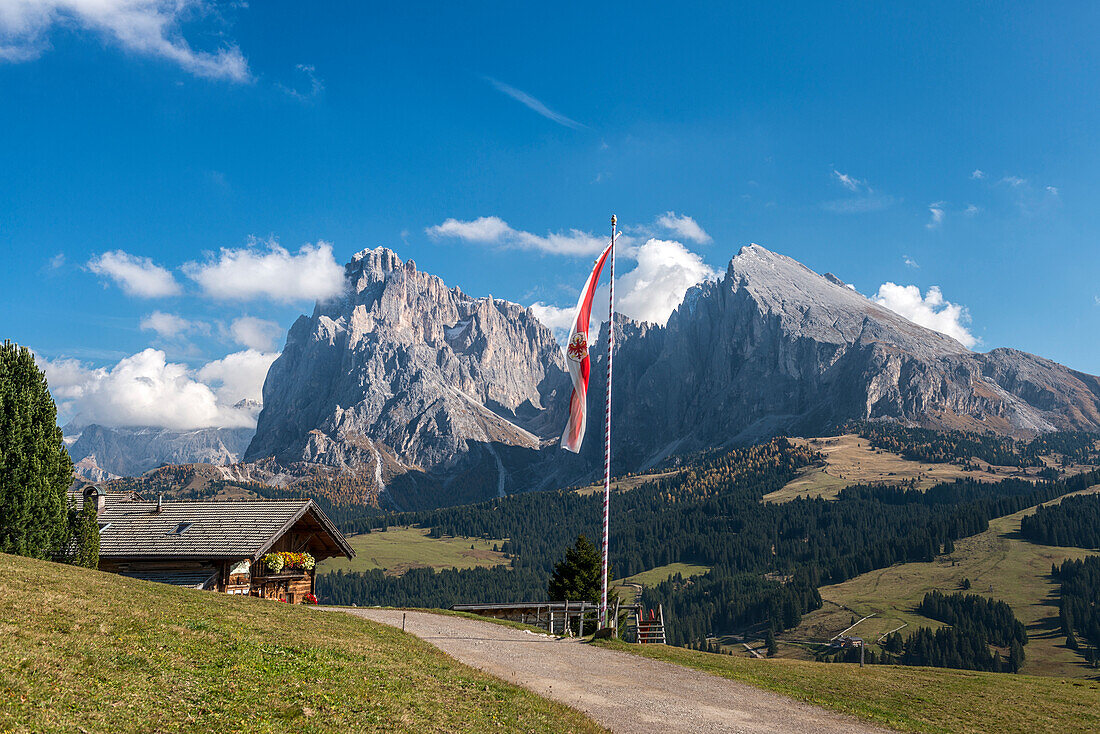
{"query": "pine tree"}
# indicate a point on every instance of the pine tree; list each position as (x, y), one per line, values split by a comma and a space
(85, 534)
(1015, 657)
(1071, 641)
(35, 469)
(769, 640)
(577, 577)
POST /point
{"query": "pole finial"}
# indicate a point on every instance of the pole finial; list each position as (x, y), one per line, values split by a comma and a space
(613, 220)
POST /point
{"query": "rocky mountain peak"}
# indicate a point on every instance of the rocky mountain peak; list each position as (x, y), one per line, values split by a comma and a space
(404, 374)
(440, 397)
(824, 308)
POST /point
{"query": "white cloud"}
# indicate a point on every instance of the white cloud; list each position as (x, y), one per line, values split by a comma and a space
(1052, 190)
(137, 276)
(931, 311)
(978, 174)
(488, 230)
(145, 389)
(971, 210)
(1014, 181)
(254, 333)
(849, 182)
(495, 231)
(170, 325)
(57, 261)
(276, 274)
(558, 320)
(239, 376)
(909, 262)
(653, 289)
(148, 27)
(533, 104)
(664, 272)
(937, 212)
(683, 226)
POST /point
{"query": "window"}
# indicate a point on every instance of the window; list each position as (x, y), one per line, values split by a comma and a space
(182, 528)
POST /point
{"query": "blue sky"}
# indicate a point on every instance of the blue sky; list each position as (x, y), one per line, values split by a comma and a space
(942, 145)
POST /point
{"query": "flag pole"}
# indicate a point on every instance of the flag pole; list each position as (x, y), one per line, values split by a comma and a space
(607, 426)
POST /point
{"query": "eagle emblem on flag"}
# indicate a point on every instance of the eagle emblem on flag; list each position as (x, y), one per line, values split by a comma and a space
(576, 353)
(578, 347)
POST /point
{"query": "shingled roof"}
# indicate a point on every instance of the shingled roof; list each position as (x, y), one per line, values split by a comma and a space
(210, 529)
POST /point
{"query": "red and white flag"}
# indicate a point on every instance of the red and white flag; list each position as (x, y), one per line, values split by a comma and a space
(576, 356)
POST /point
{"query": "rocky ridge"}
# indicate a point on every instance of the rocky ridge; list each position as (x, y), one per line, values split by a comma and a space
(405, 378)
(419, 395)
(99, 452)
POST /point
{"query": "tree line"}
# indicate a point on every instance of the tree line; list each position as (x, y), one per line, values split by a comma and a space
(1075, 521)
(975, 623)
(767, 560)
(1079, 605)
(925, 444)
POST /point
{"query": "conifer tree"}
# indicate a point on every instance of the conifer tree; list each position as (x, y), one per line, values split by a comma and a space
(1015, 657)
(35, 469)
(577, 577)
(773, 648)
(85, 534)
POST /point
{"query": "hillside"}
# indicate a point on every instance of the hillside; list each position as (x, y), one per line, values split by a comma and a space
(999, 563)
(409, 394)
(851, 459)
(398, 550)
(84, 651)
(910, 698)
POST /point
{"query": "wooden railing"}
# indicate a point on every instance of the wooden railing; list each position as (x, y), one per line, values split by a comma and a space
(567, 618)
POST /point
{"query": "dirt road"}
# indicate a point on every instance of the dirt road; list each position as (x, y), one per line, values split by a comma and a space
(625, 693)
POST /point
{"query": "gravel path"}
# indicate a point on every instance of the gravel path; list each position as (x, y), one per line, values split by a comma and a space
(623, 692)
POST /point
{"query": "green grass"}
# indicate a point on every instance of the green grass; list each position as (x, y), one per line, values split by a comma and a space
(999, 563)
(628, 590)
(850, 459)
(909, 698)
(399, 549)
(655, 576)
(625, 484)
(87, 651)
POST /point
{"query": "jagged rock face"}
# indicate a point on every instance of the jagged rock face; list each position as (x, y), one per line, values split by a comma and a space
(404, 375)
(100, 451)
(433, 397)
(773, 347)
(88, 470)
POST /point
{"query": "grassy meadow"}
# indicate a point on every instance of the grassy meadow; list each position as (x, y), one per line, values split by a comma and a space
(83, 651)
(913, 699)
(850, 459)
(628, 588)
(999, 563)
(399, 549)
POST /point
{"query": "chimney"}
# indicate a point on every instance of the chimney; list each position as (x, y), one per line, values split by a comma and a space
(97, 495)
(160, 501)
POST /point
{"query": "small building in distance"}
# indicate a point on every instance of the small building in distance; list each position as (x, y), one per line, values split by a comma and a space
(263, 548)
